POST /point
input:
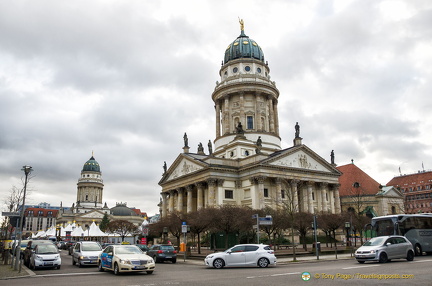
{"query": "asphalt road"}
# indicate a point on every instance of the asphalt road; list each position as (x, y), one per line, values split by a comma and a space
(340, 272)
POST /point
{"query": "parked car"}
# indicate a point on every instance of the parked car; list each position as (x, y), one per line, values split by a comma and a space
(144, 248)
(86, 253)
(30, 249)
(163, 252)
(242, 255)
(385, 248)
(44, 256)
(125, 258)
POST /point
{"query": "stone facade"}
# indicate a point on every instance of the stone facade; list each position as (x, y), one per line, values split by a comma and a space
(248, 166)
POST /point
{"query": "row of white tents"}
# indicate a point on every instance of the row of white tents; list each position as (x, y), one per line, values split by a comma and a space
(71, 230)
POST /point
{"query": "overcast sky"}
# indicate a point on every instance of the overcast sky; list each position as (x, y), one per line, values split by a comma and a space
(126, 79)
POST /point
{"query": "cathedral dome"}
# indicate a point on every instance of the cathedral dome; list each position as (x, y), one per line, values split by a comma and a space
(91, 165)
(122, 210)
(243, 47)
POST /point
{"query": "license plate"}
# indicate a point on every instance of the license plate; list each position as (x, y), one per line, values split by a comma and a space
(48, 263)
(139, 267)
(167, 256)
(90, 261)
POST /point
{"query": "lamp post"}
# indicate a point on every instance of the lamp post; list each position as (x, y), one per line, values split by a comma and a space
(27, 170)
(347, 228)
(165, 232)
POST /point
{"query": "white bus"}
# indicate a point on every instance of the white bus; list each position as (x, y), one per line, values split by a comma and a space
(416, 227)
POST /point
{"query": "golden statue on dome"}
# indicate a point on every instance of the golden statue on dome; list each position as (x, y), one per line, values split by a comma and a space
(241, 24)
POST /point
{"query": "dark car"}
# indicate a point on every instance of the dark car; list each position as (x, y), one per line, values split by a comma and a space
(163, 252)
(143, 247)
(29, 250)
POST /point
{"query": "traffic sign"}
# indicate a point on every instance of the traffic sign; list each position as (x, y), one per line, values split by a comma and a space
(265, 220)
(10, 214)
(184, 228)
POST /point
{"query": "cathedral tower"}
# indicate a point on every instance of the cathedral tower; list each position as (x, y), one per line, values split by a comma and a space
(245, 102)
(90, 186)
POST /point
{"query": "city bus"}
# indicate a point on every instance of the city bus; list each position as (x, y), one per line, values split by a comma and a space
(417, 228)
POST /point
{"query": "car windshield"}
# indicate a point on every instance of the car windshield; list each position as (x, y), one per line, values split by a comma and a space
(375, 241)
(128, 250)
(46, 249)
(91, 247)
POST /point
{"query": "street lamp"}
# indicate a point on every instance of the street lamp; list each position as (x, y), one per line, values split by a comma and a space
(347, 227)
(165, 232)
(27, 170)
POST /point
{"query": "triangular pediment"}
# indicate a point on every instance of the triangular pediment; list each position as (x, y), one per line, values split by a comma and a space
(183, 167)
(302, 158)
(92, 214)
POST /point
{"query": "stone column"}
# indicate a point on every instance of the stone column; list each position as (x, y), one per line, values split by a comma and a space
(164, 204)
(278, 182)
(331, 200)
(171, 201)
(323, 196)
(276, 117)
(294, 196)
(337, 199)
(180, 200)
(227, 116)
(310, 185)
(218, 192)
(189, 199)
(242, 111)
(218, 120)
(199, 187)
(261, 202)
(271, 114)
(211, 196)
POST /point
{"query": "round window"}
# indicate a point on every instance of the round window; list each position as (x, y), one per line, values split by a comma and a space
(259, 70)
(247, 68)
(235, 70)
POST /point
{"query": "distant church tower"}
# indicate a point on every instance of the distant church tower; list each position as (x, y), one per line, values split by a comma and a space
(90, 187)
(245, 102)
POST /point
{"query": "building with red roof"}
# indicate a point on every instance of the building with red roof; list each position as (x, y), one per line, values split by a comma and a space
(417, 189)
(360, 193)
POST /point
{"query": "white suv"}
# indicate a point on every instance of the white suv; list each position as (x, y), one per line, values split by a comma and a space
(385, 248)
(242, 255)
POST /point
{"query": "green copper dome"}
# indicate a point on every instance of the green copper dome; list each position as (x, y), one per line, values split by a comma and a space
(243, 47)
(91, 165)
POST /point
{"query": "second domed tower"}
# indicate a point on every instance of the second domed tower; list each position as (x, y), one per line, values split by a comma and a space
(245, 102)
(90, 186)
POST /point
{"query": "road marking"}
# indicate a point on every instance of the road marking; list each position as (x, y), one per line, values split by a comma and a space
(420, 261)
(364, 266)
(68, 274)
(273, 275)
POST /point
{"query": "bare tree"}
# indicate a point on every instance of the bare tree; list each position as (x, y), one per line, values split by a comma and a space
(122, 228)
(303, 223)
(13, 203)
(232, 219)
(199, 222)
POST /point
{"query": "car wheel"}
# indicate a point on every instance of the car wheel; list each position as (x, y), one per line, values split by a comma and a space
(218, 263)
(263, 262)
(31, 265)
(410, 256)
(150, 272)
(156, 260)
(418, 250)
(58, 267)
(174, 260)
(383, 257)
(100, 268)
(79, 264)
(116, 269)
(361, 262)
(73, 261)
